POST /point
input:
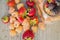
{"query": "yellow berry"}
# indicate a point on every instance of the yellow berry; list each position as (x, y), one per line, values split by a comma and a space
(15, 14)
(13, 33)
(20, 5)
(12, 19)
(34, 29)
(17, 1)
(19, 29)
(11, 9)
(16, 24)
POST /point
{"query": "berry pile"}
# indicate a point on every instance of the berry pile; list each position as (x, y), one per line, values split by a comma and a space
(22, 18)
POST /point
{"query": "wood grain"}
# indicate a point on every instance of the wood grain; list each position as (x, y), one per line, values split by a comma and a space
(39, 11)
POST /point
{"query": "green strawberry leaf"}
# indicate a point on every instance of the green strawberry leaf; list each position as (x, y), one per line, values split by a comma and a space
(32, 22)
(29, 38)
(5, 18)
(25, 14)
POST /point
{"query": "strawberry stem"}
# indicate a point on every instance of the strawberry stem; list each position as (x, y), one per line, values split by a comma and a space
(29, 38)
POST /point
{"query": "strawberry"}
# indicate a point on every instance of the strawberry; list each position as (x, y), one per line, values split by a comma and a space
(5, 19)
(11, 3)
(34, 21)
(32, 12)
(22, 11)
(28, 35)
(20, 19)
(30, 3)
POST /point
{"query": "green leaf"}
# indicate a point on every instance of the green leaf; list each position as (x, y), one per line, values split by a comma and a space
(32, 22)
(28, 39)
(25, 14)
(5, 18)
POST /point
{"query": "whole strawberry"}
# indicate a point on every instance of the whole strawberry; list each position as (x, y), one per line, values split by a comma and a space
(30, 3)
(34, 21)
(31, 12)
(22, 11)
(28, 35)
(11, 3)
(20, 19)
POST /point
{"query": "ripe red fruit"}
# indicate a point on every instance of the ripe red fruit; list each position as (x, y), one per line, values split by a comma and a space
(28, 34)
(32, 12)
(11, 3)
(36, 19)
(30, 3)
(20, 19)
(22, 10)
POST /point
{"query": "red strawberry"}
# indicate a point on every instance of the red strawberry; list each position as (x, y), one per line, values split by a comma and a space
(30, 3)
(32, 12)
(22, 10)
(28, 34)
(11, 3)
(20, 19)
(34, 21)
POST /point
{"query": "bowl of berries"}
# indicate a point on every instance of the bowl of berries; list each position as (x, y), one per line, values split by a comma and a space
(52, 7)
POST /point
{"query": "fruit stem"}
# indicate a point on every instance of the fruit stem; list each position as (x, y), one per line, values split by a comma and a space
(29, 38)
